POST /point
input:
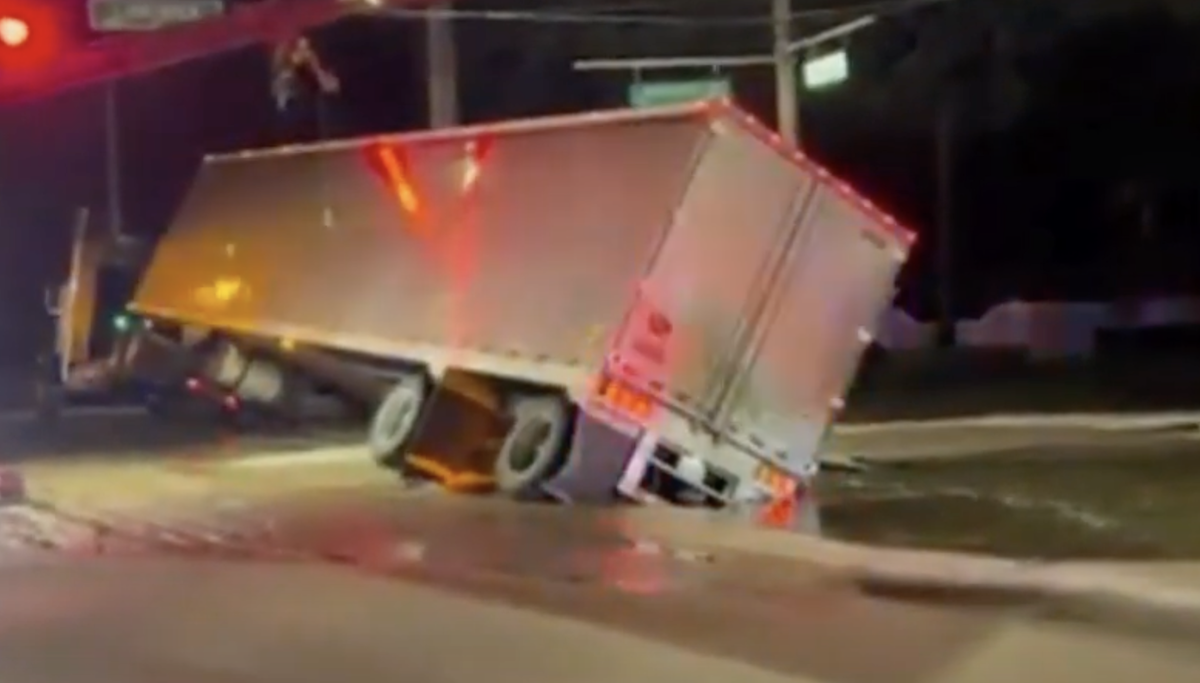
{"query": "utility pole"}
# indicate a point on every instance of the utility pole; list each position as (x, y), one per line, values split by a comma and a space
(441, 61)
(787, 89)
(944, 167)
(112, 159)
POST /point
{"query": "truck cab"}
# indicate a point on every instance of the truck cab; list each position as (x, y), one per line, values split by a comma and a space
(104, 356)
(101, 355)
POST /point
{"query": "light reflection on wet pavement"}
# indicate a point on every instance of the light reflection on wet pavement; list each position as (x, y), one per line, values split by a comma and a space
(579, 564)
(132, 435)
(585, 564)
(1126, 500)
(591, 565)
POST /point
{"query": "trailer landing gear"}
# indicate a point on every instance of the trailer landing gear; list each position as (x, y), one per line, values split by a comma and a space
(471, 434)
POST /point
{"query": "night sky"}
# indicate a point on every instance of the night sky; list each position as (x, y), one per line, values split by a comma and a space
(1073, 177)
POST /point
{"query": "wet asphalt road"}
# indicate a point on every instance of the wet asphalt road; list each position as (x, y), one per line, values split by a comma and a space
(326, 585)
(1062, 494)
(1066, 494)
(310, 572)
(130, 434)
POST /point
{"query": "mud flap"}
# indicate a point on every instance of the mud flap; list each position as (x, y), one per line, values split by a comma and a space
(595, 464)
(459, 436)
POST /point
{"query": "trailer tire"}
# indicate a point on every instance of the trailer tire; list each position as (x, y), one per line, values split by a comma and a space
(535, 447)
(395, 420)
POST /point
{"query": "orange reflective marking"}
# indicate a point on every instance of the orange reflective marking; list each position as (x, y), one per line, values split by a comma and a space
(626, 399)
(781, 509)
(452, 479)
(399, 182)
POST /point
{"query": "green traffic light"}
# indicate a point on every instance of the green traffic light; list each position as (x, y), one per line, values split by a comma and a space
(121, 323)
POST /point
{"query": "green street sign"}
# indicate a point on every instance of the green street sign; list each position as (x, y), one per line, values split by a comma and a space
(825, 71)
(115, 16)
(660, 93)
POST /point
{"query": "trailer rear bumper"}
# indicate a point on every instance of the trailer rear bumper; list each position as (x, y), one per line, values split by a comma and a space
(598, 462)
(611, 460)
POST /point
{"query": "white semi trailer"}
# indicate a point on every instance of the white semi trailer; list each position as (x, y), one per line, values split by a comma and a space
(663, 302)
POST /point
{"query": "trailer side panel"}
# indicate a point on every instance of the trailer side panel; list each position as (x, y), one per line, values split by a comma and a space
(526, 243)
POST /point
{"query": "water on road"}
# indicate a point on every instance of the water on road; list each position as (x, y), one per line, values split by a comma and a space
(257, 521)
(1099, 496)
(1117, 498)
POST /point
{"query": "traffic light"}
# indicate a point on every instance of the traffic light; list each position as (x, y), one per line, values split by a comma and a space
(14, 31)
(30, 34)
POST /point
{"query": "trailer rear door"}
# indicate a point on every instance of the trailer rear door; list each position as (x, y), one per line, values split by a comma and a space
(838, 278)
(710, 272)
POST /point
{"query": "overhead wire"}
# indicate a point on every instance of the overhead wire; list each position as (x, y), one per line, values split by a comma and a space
(671, 7)
(627, 17)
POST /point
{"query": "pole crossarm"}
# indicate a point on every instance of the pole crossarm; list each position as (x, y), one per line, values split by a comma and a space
(724, 61)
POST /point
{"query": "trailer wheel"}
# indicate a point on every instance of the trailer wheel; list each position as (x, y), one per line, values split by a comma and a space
(535, 445)
(395, 419)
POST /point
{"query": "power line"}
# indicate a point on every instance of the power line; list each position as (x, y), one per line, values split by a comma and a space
(562, 17)
(723, 61)
(818, 12)
(625, 17)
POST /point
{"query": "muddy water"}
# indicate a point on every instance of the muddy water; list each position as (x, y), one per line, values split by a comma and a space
(1121, 497)
(1132, 501)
